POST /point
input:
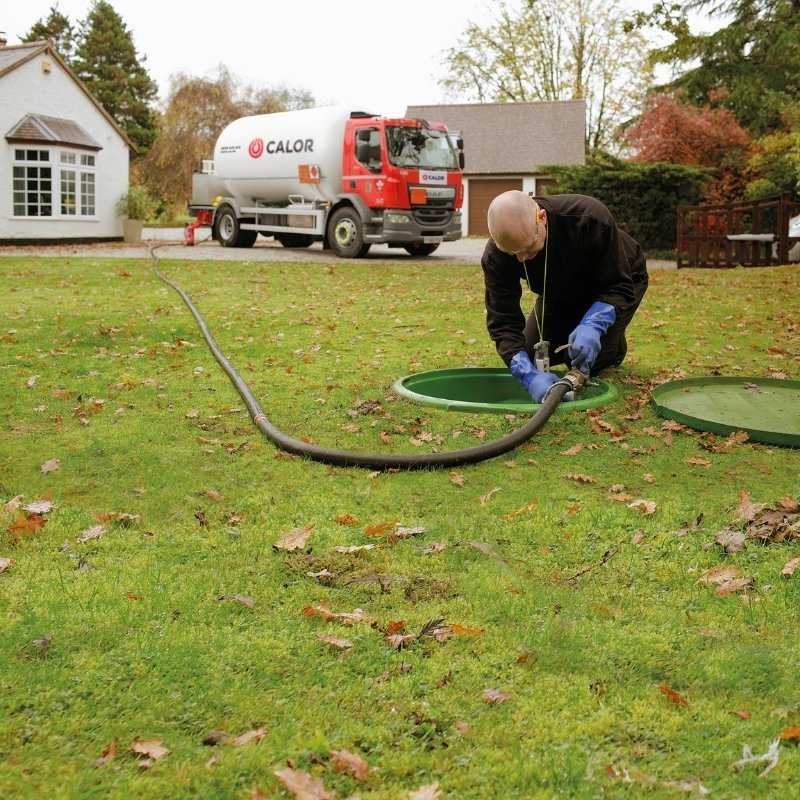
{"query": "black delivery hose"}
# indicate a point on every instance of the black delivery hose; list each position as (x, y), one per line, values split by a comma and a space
(377, 461)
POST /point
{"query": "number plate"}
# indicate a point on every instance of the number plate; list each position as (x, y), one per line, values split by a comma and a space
(433, 239)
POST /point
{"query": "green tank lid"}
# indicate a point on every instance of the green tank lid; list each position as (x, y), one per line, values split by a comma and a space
(768, 409)
(491, 390)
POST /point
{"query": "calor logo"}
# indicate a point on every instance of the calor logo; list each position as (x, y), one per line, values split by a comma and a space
(256, 148)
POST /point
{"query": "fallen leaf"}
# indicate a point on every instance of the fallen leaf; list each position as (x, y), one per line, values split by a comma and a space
(672, 695)
(432, 548)
(294, 539)
(573, 451)
(460, 630)
(333, 641)
(51, 466)
(355, 548)
(251, 736)
(348, 618)
(380, 529)
(14, 503)
(345, 761)
(39, 507)
(791, 734)
(746, 509)
(732, 541)
(494, 696)
(26, 526)
(457, 479)
(734, 585)
(302, 785)
(244, 599)
(485, 498)
(580, 478)
(108, 754)
(524, 510)
(95, 532)
(346, 519)
(430, 791)
(648, 506)
(697, 461)
(5, 563)
(743, 714)
(720, 574)
(788, 568)
(151, 748)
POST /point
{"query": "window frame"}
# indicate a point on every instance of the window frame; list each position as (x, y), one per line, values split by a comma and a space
(72, 182)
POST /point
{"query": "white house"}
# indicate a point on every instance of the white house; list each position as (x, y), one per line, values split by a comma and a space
(63, 160)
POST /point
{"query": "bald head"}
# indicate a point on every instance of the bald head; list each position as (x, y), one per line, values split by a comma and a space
(513, 220)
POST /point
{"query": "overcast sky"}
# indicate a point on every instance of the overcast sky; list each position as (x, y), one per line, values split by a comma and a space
(380, 55)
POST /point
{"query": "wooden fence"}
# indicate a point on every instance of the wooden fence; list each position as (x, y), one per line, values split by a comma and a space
(749, 234)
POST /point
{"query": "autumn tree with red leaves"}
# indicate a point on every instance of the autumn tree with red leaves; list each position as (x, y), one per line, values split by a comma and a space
(673, 131)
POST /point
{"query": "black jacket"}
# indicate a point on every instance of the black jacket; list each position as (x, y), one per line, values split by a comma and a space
(588, 259)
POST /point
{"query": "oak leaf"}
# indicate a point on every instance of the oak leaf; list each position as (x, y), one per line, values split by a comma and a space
(746, 510)
(26, 525)
(580, 478)
(380, 529)
(302, 785)
(50, 466)
(295, 539)
(346, 519)
(734, 585)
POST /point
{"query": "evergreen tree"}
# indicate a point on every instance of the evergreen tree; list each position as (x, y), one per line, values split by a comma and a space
(56, 28)
(107, 62)
(750, 65)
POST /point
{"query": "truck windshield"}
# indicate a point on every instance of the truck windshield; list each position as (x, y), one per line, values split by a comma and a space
(421, 148)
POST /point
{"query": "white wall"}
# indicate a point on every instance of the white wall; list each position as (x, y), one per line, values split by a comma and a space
(29, 89)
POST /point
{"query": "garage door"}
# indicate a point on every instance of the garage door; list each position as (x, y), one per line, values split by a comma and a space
(481, 193)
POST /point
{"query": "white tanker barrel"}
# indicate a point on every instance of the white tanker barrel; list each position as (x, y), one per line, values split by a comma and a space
(257, 158)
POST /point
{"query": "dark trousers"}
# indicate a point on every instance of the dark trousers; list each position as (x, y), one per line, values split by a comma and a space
(563, 317)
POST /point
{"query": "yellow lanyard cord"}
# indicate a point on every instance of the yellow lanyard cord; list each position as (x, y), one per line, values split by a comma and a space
(544, 285)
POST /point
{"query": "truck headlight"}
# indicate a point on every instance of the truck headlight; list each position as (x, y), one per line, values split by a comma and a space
(398, 219)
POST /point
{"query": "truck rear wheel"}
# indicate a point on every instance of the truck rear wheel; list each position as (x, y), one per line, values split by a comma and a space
(420, 249)
(295, 239)
(346, 234)
(229, 233)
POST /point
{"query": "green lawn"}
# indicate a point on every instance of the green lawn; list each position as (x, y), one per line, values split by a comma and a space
(539, 625)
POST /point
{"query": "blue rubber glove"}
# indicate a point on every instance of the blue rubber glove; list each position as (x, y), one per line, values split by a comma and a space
(535, 383)
(584, 341)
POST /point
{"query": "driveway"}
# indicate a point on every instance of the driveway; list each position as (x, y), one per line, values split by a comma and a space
(170, 244)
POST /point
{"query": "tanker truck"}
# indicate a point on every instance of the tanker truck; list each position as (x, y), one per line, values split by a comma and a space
(349, 179)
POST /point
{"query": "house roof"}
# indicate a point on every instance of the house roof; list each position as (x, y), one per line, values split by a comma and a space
(514, 138)
(38, 128)
(13, 56)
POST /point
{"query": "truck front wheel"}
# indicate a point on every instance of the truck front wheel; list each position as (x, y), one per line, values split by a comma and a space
(229, 234)
(346, 234)
(420, 249)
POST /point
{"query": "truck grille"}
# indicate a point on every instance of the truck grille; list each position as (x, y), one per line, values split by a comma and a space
(433, 216)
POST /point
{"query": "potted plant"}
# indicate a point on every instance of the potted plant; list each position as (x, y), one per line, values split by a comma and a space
(134, 207)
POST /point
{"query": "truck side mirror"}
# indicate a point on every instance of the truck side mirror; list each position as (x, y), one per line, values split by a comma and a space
(461, 159)
(362, 151)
